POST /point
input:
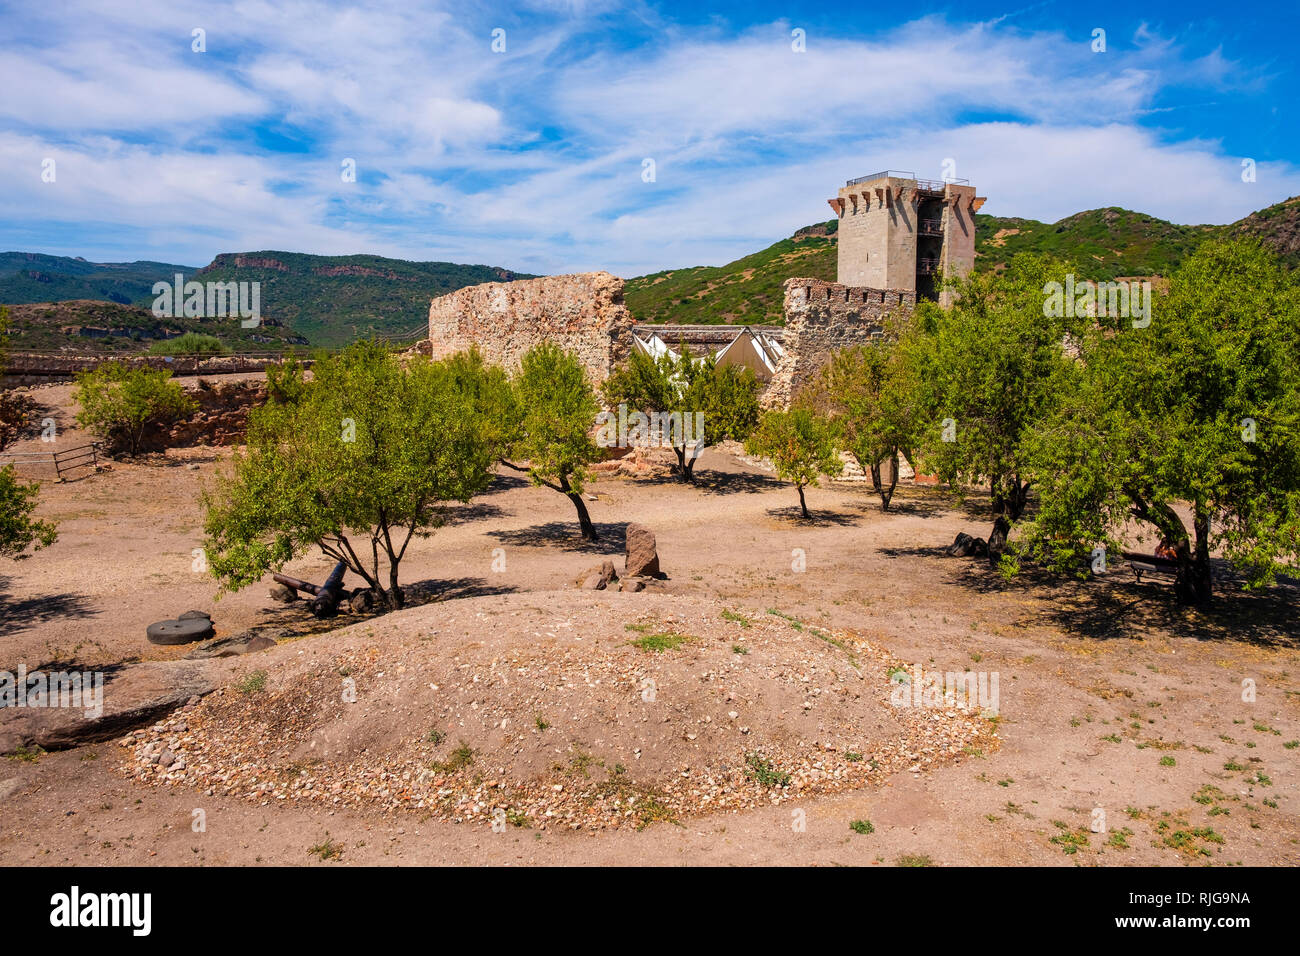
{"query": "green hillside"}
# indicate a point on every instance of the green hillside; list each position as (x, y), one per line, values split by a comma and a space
(90, 325)
(333, 300)
(1103, 243)
(745, 292)
(1106, 243)
(326, 300)
(27, 277)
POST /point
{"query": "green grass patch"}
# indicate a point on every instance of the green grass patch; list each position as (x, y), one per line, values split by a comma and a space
(764, 772)
(660, 641)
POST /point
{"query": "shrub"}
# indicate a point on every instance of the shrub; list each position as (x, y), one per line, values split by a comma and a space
(121, 404)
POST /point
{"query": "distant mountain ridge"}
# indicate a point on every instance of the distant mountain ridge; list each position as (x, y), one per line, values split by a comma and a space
(27, 277)
(326, 300)
(332, 300)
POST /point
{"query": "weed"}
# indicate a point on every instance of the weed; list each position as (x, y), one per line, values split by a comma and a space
(253, 683)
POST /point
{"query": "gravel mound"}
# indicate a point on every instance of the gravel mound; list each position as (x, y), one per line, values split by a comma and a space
(563, 709)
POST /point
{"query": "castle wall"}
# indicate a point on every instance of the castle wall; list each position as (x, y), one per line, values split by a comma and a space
(821, 317)
(582, 313)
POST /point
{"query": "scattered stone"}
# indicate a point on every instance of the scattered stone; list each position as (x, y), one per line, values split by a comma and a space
(283, 593)
(195, 616)
(362, 601)
(597, 577)
(245, 642)
(642, 556)
(632, 584)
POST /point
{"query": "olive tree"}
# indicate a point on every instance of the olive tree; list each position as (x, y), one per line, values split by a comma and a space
(695, 400)
(18, 530)
(800, 445)
(361, 462)
(1188, 425)
(872, 400)
(550, 411)
(988, 370)
(120, 404)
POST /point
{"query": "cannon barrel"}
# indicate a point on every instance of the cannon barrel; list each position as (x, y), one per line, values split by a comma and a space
(296, 583)
(328, 595)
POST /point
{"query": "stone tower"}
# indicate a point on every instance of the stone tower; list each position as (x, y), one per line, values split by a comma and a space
(897, 232)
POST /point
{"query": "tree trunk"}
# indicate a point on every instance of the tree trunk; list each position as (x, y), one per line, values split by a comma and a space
(1192, 581)
(394, 596)
(803, 504)
(1001, 526)
(1199, 584)
(685, 465)
(584, 519)
(1008, 506)
(886, 492)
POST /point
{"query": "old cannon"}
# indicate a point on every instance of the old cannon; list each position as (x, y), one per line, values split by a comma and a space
(325, 598)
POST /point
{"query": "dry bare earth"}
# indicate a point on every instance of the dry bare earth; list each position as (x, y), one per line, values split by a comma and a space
(1110, 698)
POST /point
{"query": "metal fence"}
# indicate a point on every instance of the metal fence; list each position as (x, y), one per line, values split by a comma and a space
(64, 462)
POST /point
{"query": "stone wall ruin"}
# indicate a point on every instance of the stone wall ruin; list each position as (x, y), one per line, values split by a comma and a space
(583, 314)
(822, 317)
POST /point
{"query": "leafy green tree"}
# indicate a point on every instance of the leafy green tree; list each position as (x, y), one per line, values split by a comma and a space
(988, 370)
(551, 410)
(15, 410)
(722, 399)
(1189, 426)
(121, 404)
(870, 395)
(18, 529)
(800, 445)
(363, 462)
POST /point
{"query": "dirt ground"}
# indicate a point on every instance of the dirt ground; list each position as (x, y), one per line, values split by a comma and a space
(1121, 735)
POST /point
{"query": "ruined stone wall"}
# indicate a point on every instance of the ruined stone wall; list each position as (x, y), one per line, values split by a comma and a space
(820, 318)
(583, 314)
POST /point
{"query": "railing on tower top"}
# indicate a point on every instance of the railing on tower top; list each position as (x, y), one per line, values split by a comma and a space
(932, 185)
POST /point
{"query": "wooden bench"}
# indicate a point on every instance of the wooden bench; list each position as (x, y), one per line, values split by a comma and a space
(1150, 564)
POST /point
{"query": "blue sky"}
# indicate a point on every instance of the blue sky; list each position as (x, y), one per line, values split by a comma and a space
(534, 157)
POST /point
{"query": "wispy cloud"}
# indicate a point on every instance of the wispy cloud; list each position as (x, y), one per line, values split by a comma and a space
(534, 157)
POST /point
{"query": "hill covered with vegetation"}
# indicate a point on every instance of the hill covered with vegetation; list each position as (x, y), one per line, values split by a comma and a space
(1104, 243)
(92, 325)
(333, 300)
(27, 277)
(324, 300)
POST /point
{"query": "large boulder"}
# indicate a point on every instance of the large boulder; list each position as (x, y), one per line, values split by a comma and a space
(642, 556)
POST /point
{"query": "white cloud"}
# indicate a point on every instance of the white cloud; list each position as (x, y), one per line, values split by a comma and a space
(533, 159)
